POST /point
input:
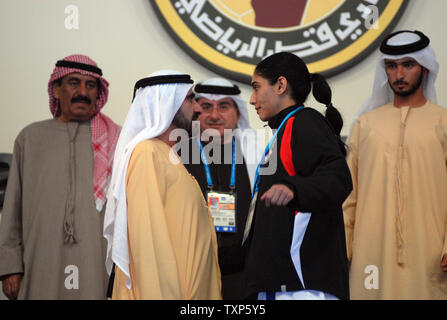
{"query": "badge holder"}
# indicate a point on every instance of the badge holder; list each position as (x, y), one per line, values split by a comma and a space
(222, 206)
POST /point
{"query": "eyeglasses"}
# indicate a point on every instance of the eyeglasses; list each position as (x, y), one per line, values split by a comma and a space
(221, 107)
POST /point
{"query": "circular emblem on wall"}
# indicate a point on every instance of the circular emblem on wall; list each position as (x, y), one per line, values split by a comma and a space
(231, 36)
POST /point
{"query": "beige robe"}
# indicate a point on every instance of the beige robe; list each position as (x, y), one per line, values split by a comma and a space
(172, 242)
(396, 215)
(50, 169)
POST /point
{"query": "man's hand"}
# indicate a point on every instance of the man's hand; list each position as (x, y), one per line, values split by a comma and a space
(444, 263)
(278, 195)
(11, 286)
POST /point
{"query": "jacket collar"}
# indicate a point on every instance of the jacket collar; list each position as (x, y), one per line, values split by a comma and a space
(279, 117)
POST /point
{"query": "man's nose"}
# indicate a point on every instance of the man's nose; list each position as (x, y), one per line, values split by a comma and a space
(214, 113)
(82, 88)
(196, 107)
(400, 72)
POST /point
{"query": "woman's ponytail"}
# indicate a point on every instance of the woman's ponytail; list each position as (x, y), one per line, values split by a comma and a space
(323, 94)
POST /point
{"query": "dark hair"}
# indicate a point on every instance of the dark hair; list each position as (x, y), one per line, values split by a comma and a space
(300, 83)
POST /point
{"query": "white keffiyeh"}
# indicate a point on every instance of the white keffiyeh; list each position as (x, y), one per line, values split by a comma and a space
(150, 115)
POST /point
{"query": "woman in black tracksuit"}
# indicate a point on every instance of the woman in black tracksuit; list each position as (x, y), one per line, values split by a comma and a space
(296, 245)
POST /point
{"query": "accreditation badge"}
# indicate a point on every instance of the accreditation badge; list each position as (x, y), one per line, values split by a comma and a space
(222, 206)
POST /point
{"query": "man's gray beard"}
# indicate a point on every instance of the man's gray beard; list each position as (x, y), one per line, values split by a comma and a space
(181, 122)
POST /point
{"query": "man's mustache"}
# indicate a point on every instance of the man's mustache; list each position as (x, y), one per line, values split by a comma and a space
(212, 122)
(81, 99)
(398, 82)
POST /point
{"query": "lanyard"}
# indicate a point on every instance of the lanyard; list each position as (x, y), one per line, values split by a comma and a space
(209, 180)
(267, 150)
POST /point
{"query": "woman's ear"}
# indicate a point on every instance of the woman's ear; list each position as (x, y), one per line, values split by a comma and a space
(281, 85)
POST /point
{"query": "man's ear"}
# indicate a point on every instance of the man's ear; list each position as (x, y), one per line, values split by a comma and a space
(281, 85)
(56, 88)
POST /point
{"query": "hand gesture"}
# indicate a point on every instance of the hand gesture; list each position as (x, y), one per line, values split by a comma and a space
(278, 195)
